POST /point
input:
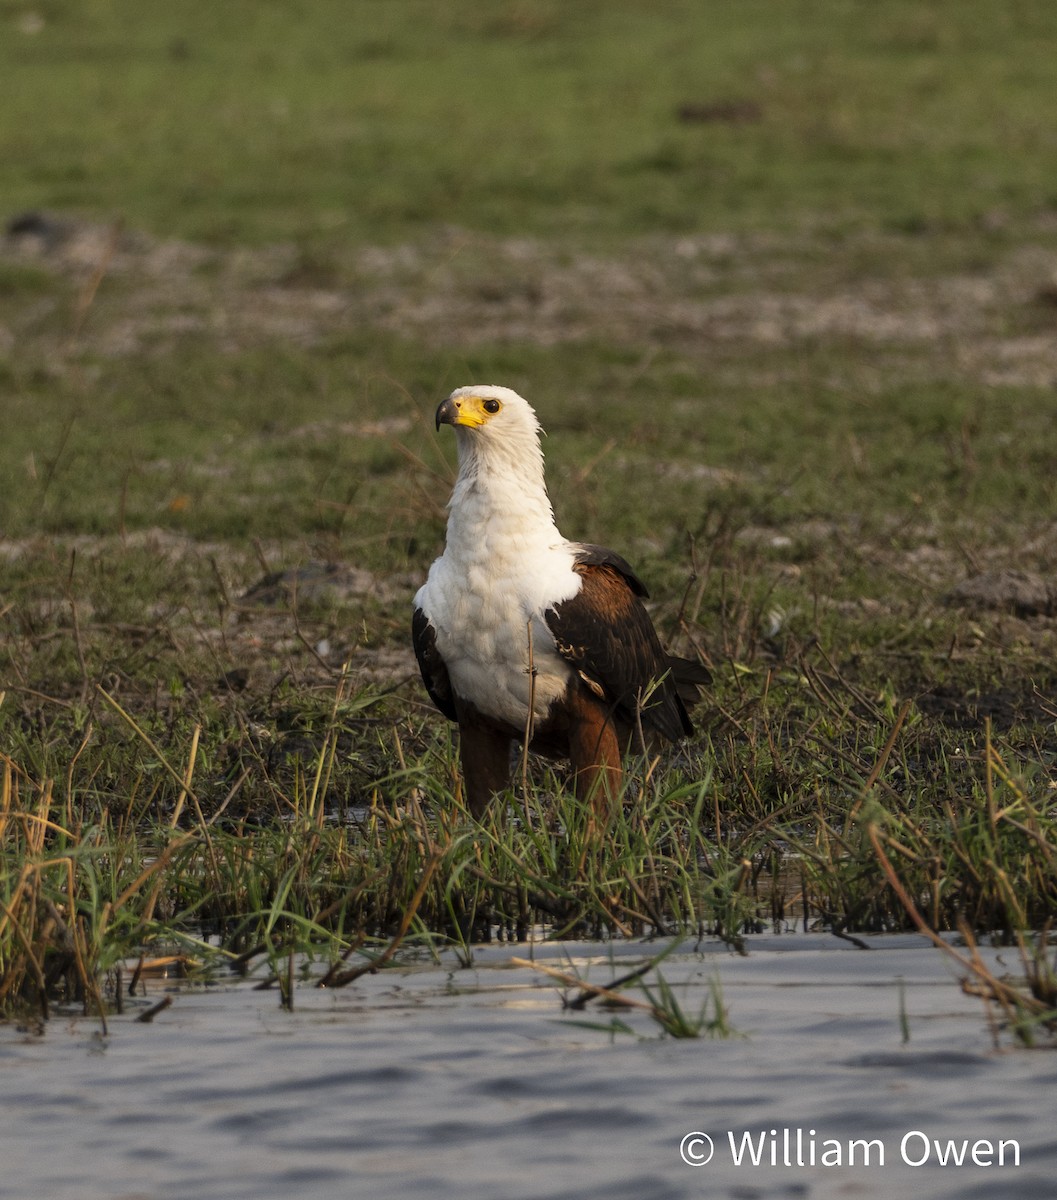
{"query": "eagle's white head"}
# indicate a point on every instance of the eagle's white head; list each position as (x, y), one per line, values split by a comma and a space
(500, 457)
(489, 411)
(496, 430)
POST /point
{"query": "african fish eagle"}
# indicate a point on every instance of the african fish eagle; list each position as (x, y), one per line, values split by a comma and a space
(514, 615)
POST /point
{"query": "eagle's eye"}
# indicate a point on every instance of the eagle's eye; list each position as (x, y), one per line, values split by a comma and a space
(491, 406)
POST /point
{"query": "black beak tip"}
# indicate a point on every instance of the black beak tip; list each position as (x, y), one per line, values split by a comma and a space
(445, 413)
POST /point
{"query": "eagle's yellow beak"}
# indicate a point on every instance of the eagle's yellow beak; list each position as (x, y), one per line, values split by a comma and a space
(462, 410)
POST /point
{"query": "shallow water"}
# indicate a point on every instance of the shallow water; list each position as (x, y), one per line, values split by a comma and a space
(446, 1082)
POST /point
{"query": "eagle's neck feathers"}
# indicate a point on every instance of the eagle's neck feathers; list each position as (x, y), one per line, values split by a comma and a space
(504, 565)
(499, 506)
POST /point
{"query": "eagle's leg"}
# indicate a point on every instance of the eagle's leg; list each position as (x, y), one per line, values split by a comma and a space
(485, 755)
(594, 754)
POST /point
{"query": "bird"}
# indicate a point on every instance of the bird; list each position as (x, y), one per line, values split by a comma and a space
(524, 636)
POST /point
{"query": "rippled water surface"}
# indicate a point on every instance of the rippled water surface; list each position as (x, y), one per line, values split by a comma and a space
(449, 1082)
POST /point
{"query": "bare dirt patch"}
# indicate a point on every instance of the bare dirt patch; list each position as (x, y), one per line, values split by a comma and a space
(461, 288)
(1020, 592)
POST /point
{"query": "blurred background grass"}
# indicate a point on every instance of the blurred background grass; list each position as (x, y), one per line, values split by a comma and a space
(372, 120)
(772, 271)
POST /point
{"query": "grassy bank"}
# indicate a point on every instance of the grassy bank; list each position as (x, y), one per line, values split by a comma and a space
(782, 291)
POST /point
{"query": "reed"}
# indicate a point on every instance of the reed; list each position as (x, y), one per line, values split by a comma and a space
(328, 878)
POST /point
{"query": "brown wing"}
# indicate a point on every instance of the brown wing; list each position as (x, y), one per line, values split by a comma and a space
(588, 555)
(607, 635)
(430, 663)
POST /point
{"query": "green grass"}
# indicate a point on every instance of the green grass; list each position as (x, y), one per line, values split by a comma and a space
(799, 369)
(372, 120)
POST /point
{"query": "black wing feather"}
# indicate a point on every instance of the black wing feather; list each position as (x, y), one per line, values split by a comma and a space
(430, 663)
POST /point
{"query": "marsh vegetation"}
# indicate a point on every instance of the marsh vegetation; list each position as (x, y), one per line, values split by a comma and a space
(782, 292)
